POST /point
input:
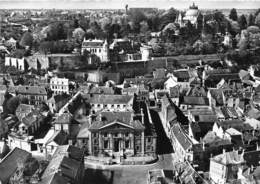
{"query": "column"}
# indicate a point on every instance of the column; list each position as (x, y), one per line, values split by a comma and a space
(111, 143)
(100, 145)
(90, 144)
(142, 142)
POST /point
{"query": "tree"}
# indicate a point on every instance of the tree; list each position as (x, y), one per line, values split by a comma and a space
(242, 22)
(257, 20)
(251, 20)
(233, 14)
(169, 17)
(78, 34)
(26, 40)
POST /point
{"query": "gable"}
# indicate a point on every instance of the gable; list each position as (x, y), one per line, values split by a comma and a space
(116, 125)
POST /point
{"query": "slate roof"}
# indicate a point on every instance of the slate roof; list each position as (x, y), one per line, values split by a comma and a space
(218, 95)
(10, 162)
(31, 90)
(116, 117)
(237, 124)
(29, 120)
(54, 178)
(64, 118)
(232, 157)
(101, 90)
(59, 137)
(193, 100)
(111, 99)
(181, 137)
(70, 151)
(93, 43)
(83, 132)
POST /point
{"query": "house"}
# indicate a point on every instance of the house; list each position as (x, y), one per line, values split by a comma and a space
(84, 134)
(111, 102)
(31, 123)
(120, 49)
(194, 102)
(96, 47)
(11, 162)
(167, 115)
(184, 77)
(59, 85)
(170, 82)
(160, 176)
(58, 138)
(56, 102)
(67, 124)
(216, 97)
(65, 166)
(181, 143)
(23, 110)
(2, 96)
(224, 167)
(35, 94)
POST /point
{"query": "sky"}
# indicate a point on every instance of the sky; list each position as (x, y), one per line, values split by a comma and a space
(120, 4)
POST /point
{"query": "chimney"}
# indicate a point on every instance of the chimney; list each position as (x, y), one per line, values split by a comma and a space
(142, 115)
(100, 117)
(203, 145)
(224, 151)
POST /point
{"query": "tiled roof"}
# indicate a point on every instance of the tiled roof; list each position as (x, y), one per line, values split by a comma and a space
(111, 99)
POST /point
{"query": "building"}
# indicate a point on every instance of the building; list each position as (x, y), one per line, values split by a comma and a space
(120, 133)
(10, 163)
(56, 102)
(18, 63)
(191, 15)
(224, 167)
(35, 94)
(66, 166)
(59, 85)
(98, 48)
(111, 102)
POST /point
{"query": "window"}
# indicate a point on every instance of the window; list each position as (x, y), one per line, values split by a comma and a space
(149, 139)
(127, 134)
(105, 134)
(118, 106)
(105, 144)
(116, 134)
(127, 144)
